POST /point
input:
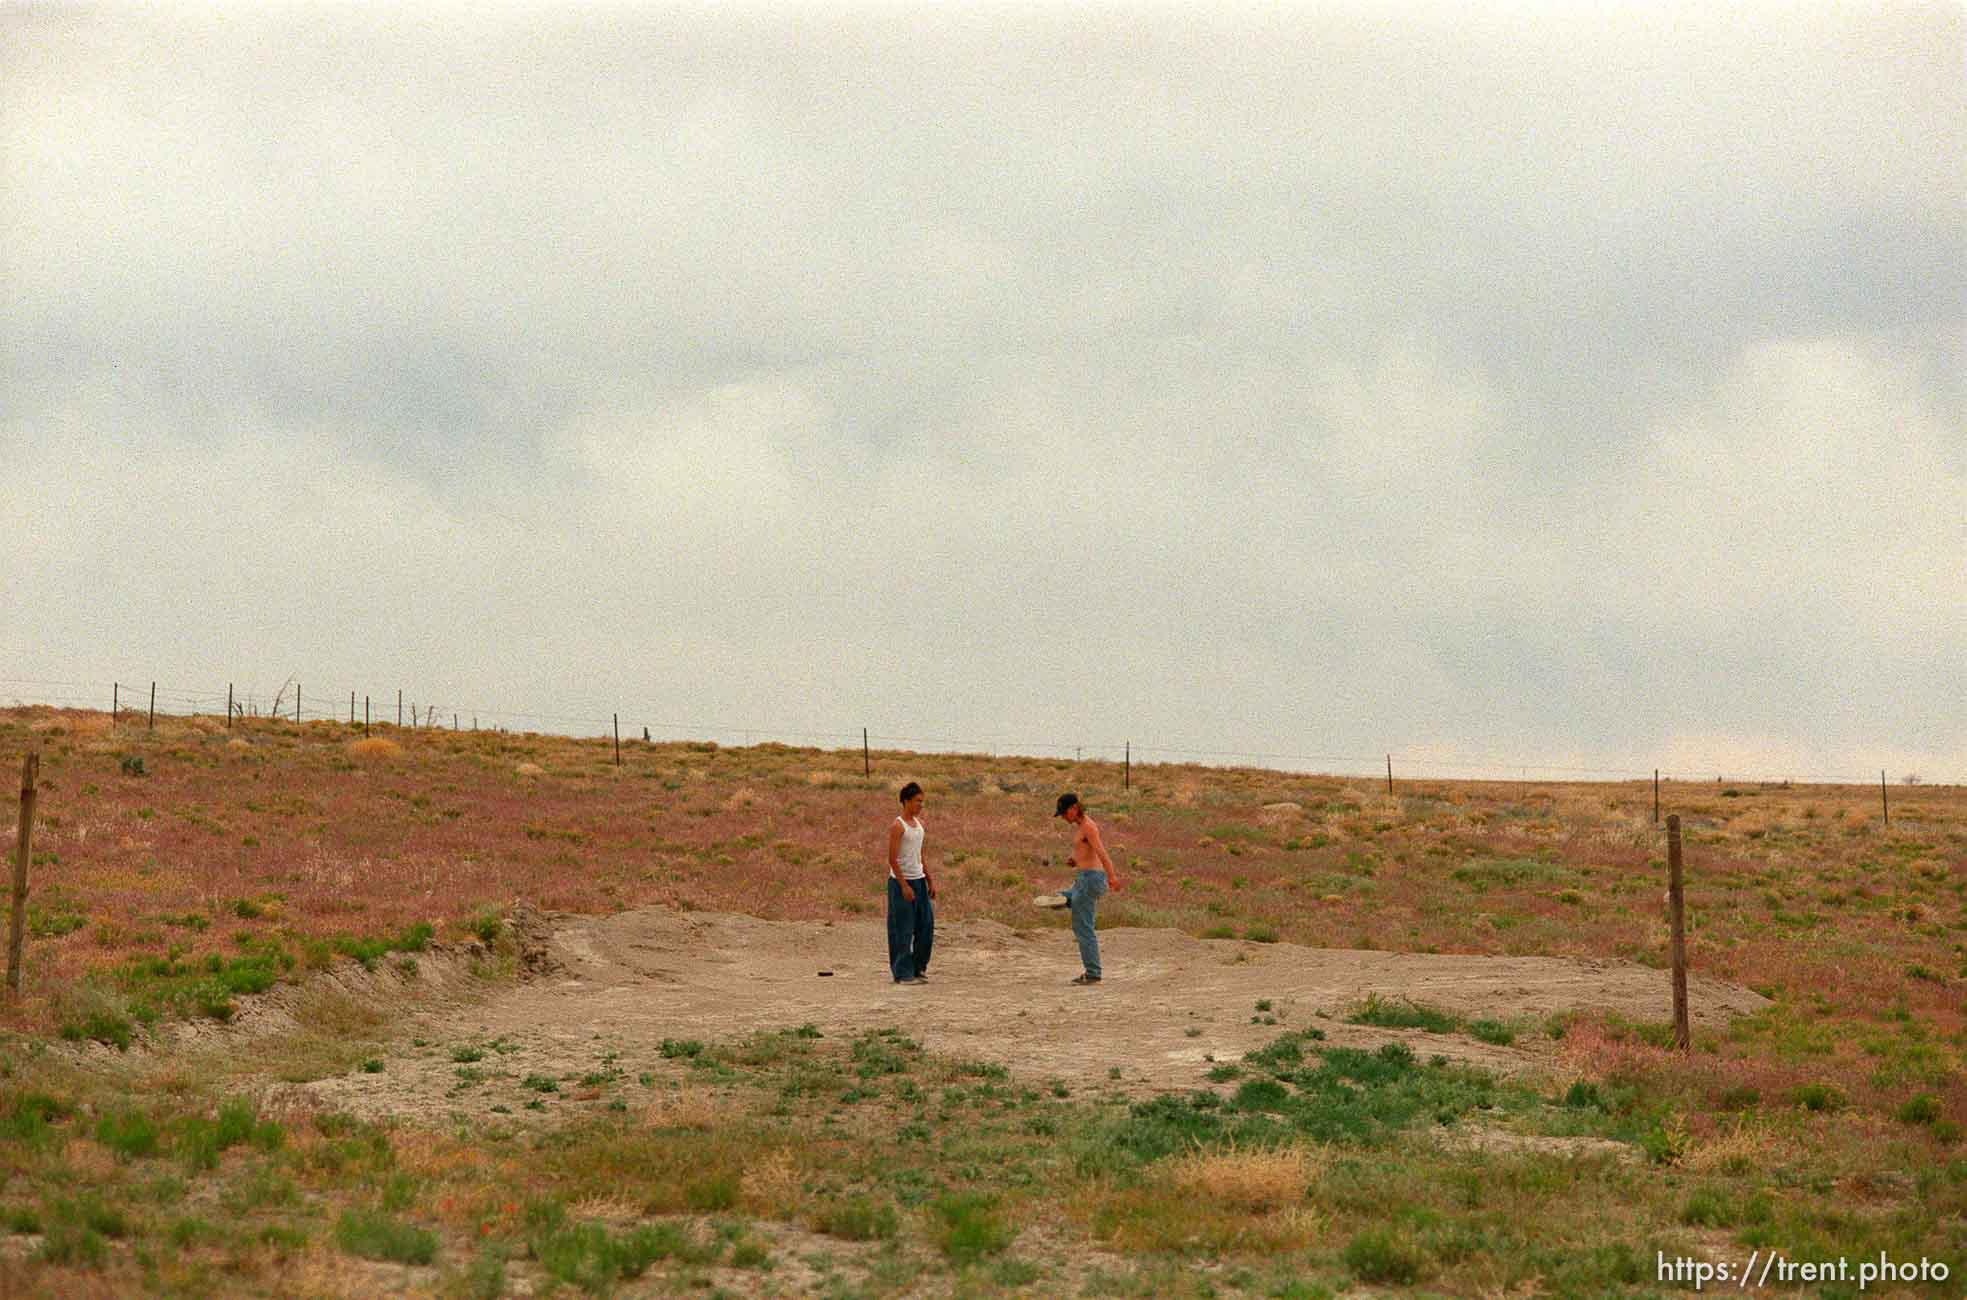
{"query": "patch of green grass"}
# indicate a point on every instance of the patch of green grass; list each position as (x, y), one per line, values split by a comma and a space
(968, 1226)
(485, 1279)
(1380, 1255)
(199, 1141)
(1387, 1013)
(373, 1234)
(1922, 1109)
(27, 1116)
(1485, 874)
(712, 1193)
(128, 1132)
(101, 1026)
(1335, 1094)
(858, 1218)
(588, 1256)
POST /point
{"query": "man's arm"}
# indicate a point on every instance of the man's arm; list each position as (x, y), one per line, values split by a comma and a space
(1099, 851)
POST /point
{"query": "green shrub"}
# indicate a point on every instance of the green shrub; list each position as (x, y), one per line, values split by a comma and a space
(1923, 1109)
(1820, 1097)
(968, 1227)
(106, 1027)
(859, 1218)
(712, 1193)
(1378, 1255)
(372, 1234)
(585, 1255)
(26, 1117)
(1389, 1014)
(131, 1134)
(1492, 1031)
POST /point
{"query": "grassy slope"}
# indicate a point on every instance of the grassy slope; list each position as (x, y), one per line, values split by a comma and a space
(1830, 1123)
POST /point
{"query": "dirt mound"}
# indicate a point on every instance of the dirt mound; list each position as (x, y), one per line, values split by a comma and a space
(1171, 1008)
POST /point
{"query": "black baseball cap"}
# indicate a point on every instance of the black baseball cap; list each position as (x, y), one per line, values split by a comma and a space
(1066, 801)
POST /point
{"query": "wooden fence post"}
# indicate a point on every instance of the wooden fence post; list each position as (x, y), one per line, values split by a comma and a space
(1656, 796)
(399, 706)
(618, 740)
(1677, 921)
(228, 706)
(1127, 771)
(1389, 775)
(23, 851)
(1885, 800)
(152, 726)
(116, 700)
(867, 764)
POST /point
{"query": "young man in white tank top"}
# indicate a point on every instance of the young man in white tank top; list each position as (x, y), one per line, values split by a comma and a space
(911, 915)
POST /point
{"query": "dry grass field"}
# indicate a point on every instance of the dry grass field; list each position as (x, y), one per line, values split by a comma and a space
(471, 1014)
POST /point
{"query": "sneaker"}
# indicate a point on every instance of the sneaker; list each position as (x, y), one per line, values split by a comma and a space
(921, 978)
(1059, 899)
(1087, 979)
(913, 979)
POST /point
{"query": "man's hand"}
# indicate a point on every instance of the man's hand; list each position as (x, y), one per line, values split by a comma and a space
(1112, 881)
(908, 895)
(931, 883)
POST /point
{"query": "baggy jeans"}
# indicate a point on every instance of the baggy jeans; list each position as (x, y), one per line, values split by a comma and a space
(911, 929)
(1088, 888)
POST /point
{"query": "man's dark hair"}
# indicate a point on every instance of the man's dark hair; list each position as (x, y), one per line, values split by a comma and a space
(1067, 802)
(910, 790)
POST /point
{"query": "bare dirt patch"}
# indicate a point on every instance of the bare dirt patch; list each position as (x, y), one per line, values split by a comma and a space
(606, 992)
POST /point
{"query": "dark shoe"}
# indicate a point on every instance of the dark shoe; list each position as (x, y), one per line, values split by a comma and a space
(1087, 979)
(912, 980)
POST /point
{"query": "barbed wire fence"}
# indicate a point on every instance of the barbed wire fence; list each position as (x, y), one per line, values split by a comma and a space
(139, 704)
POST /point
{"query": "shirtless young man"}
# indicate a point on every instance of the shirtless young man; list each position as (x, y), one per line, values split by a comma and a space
(1093, 876)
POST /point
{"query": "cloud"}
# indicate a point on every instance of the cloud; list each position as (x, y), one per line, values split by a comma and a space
(1311, 380)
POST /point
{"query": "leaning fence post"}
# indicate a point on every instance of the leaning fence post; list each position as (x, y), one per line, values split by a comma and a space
(152, 725)
(618, 740)
(116, 700)
(1389, 774)
(1677, 921)
(1884, 800)
(22, 851)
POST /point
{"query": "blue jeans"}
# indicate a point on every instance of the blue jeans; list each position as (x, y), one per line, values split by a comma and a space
(1088, 888)
(911, 929)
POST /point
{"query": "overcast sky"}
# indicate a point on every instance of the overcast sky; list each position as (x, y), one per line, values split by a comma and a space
(1498, 384)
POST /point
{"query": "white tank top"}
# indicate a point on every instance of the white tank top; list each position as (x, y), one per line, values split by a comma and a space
(910, 853)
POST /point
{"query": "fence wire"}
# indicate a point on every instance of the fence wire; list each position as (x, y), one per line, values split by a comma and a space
(135, 699)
